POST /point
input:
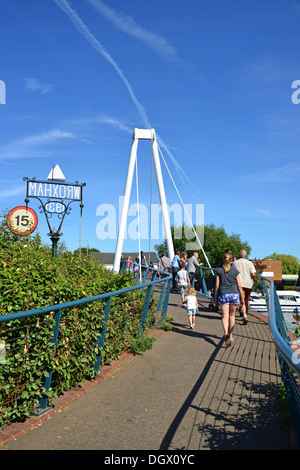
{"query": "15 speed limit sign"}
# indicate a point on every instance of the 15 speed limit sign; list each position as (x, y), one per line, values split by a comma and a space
(22, 220)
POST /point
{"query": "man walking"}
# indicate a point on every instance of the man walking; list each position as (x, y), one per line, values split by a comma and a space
(164, 264)
(247, 275)
(175, 267)
(191, 267)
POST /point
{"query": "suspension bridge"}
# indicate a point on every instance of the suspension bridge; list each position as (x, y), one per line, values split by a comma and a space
(189, 392)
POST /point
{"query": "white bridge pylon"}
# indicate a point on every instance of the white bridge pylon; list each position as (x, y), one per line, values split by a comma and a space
(145, 134)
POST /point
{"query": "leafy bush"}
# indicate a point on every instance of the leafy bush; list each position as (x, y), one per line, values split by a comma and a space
(31, 278)
(141, 343)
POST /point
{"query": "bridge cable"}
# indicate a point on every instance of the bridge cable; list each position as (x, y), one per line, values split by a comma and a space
(192, 226)
(150, 222)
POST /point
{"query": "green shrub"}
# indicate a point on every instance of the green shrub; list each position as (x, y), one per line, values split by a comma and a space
(31, 278)
(141, 343)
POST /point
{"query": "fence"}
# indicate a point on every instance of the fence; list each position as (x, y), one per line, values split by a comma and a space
(30, 387)
(287, 353)
(289, 359)
(37, 360)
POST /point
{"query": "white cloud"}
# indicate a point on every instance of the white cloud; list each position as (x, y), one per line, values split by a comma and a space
(128, 25)
(4, 193)
(282, 126)
(101, 119)
(46, 137)
(264, 212)
(280, 174)
(30, 146)
(34, 84)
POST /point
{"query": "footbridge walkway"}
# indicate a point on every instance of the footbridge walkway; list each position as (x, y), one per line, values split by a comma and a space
(189, 392)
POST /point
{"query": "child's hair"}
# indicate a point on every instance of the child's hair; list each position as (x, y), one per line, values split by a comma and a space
(227, 262)
(181, 264)
(190, 291)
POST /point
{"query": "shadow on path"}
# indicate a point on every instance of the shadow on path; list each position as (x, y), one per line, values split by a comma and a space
(166, 442)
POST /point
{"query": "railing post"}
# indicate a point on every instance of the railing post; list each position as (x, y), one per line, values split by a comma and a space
(166, 301)
(265, 292)
(280, 322)
(43, 402)
(122, 265)
(137, 274)
(203, 282)
(143, 319)
(145, 274)
(43, 405)
(100, 339)
(291, 393)
(161, 297)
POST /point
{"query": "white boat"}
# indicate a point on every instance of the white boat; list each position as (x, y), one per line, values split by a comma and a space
(257, 303)
(289, 299)
(289, 302)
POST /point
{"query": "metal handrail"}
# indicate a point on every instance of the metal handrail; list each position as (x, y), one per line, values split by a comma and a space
(289, 361)
(58, 308)
(75, 303)
(277, 326)
(280, 338)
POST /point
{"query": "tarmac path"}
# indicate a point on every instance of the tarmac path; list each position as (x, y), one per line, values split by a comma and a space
(189, 392)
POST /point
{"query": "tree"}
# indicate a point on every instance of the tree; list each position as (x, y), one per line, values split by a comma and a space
(85, 250)
(216, 241)
(7, 237)
(290, 264)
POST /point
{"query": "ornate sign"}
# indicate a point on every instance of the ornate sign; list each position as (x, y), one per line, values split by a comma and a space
(59, 196)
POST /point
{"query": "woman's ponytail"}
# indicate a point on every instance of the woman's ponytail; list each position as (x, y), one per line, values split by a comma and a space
(226, 262)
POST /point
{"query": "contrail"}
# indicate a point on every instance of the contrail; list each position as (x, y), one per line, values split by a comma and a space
(127, 25)
(83, 29)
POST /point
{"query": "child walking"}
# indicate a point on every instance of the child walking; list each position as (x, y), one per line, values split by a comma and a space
(191, 305)
(182, 281)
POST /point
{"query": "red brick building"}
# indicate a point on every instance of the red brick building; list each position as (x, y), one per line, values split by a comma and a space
(270, 268)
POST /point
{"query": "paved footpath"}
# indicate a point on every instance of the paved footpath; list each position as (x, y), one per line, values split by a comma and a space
(188, 392)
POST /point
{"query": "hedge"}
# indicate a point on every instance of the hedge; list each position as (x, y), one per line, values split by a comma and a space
(31, 278)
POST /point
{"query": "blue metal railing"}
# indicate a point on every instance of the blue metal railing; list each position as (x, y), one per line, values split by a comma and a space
(59, 309)
(289, 359)
(277, 324)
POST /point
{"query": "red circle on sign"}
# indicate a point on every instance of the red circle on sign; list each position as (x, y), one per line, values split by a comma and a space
(22, 220)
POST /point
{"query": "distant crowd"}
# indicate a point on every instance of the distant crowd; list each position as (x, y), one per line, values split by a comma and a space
(233, 284)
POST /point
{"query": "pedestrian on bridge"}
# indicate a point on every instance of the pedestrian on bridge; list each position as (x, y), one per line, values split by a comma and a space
(182, 281)
(175, 268)
(165, 264)
(248, 274)
(183, 258)
(228, 294)
(191, 305)
(192, 265)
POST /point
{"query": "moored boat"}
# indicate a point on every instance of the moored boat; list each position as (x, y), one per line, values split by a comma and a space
(289, 301)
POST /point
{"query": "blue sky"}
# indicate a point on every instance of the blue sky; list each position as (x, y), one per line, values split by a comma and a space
(214, 79)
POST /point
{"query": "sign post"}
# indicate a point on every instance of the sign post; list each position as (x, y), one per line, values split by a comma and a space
(59, 196)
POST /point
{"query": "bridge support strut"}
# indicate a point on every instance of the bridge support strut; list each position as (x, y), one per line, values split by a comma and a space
(146, 134)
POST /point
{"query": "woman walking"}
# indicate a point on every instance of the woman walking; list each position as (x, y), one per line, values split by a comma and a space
(228, 294)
